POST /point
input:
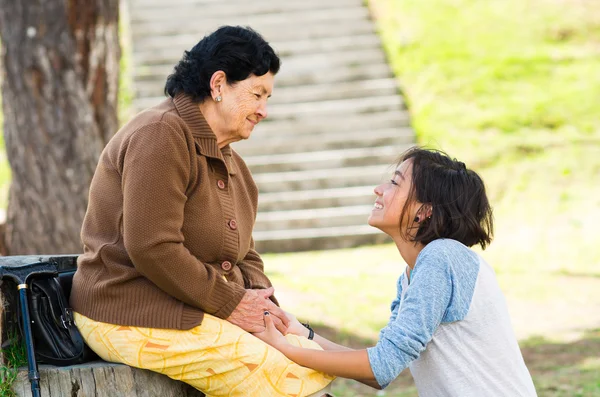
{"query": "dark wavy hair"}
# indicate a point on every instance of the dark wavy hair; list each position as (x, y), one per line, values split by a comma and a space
(238, 51)
(460, 209)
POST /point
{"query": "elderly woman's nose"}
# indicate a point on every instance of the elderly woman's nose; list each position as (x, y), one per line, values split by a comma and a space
(262, 111)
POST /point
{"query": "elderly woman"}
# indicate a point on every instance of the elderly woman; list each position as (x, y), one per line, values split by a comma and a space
(169, 280)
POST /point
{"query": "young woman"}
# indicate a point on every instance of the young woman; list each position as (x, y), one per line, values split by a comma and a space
(449, 322)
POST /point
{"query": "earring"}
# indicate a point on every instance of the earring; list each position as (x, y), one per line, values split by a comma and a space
(218, 99)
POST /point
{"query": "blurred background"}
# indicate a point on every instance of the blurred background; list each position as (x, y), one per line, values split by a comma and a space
(510, 87)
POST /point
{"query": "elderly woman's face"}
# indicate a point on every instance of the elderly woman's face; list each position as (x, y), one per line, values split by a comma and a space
(244, 104)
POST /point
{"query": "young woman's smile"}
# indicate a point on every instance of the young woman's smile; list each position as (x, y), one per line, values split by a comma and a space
(391, 198)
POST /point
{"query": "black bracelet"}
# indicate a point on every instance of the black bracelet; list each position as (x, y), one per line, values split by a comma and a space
(311, 333)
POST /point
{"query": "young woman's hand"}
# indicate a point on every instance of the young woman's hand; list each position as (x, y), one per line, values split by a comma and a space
(294, 326)
(271, 335)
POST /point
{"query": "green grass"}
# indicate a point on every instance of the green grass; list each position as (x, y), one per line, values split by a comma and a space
(14, 357)
(511, 87)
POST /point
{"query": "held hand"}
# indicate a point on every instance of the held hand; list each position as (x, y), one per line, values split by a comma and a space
(271, 335)
(278, 316)
(280, 319)
(295, 327)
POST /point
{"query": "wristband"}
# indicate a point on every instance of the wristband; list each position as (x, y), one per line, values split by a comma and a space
(311, 333)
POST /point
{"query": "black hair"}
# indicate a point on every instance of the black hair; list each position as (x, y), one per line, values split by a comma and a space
(238, 51)
(460, 209)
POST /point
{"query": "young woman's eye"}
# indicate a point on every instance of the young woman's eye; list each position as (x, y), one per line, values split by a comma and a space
(393, 182)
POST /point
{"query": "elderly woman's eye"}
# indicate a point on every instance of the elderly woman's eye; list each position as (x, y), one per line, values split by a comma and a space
(257, 96)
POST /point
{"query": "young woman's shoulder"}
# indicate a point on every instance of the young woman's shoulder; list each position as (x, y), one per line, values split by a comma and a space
(453, 265)
(448, 252)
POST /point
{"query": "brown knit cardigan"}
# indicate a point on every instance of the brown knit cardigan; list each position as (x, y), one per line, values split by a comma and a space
(168, 230)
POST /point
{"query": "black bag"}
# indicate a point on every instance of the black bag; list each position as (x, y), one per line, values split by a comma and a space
(56, 338)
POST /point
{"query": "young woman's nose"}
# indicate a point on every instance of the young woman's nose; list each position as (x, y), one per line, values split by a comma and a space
(378, 190)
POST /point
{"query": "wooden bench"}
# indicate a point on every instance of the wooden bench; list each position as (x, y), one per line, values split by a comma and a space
(92, 379)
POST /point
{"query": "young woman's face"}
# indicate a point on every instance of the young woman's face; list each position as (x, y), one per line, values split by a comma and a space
(391, 197)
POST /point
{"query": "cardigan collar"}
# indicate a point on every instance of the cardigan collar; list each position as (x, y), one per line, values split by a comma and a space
(201, 131)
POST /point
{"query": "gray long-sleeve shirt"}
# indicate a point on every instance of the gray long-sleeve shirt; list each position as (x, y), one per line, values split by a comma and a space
(450, 325)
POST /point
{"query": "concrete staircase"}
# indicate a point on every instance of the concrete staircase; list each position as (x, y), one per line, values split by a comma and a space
(336, 121)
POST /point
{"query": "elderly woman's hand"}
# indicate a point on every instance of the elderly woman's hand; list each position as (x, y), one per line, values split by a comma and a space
(249, 313)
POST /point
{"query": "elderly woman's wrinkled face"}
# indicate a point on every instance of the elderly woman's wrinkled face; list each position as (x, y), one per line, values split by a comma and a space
(244, 104)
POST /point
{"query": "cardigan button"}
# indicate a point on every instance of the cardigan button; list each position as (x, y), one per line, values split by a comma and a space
(226, 266)
(233, 224)
(221, 184)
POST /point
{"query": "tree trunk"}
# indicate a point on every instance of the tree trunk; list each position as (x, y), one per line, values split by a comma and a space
(59, 89)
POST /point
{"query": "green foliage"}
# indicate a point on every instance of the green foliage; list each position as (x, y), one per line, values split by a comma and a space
(14, 357)
(4, 167)
(125, 69)
(512, 67)
(511, 88)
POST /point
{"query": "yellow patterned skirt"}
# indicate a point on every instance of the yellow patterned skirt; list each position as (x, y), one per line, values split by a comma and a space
(217, 357)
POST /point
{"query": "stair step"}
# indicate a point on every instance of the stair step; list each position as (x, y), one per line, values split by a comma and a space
(212, 7)
(182, 19)
(151, 82)
(324, 60)
(260, 12)
(343, 106)
(300, 25)
(325, 124)
(284, 31)
(314, 93)
(325, 44)
(316, 125)
(321, 179)
(261, 144)
(341, 90)
(291, 65)
(311, 199)
(172, 47)
(324, 159)
(312, 218)
(353, 106)
(318, 238)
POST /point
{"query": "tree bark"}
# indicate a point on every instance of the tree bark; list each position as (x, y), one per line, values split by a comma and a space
(59, 88)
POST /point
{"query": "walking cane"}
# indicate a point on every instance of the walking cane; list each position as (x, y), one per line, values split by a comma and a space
(22, 275)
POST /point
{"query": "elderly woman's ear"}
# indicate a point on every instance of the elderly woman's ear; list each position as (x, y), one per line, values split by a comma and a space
(217, 81)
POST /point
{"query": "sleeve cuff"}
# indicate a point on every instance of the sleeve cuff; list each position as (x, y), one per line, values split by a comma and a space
(376, 363)
(231, 301)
